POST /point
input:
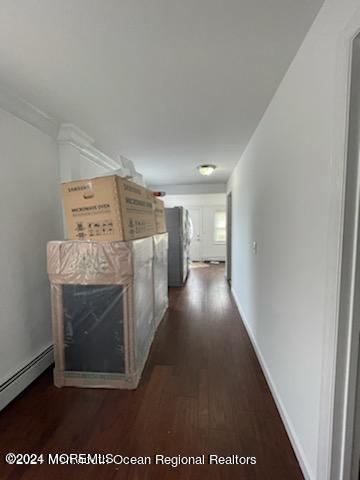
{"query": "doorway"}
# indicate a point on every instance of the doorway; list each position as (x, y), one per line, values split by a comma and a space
(228, 235)
(346, 422)
(195, 244)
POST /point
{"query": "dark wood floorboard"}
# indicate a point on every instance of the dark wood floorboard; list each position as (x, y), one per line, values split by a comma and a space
(202, 392)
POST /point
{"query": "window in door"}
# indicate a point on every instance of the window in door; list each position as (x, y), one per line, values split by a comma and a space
(220, 226)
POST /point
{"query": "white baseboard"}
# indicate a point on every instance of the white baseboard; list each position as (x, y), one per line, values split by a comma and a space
(213, 258)
(306, 470)
(22, 379)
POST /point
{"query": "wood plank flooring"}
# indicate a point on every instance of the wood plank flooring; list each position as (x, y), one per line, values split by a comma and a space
(202, 393)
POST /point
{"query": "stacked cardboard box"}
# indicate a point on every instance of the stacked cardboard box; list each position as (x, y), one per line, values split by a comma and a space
(110, 209)
(103, 312)
(160, 275)
(108, 282)
(160, 221)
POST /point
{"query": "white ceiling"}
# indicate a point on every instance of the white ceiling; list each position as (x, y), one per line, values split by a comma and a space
(168, 83)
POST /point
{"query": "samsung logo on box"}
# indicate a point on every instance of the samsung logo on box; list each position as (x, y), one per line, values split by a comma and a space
(79, 188)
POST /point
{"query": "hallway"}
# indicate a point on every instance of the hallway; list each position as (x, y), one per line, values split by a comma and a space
(202, 393)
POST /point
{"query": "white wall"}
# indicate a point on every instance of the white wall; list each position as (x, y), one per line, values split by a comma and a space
(208, 204)
(283, 199)
(195, 200)
(30, 216)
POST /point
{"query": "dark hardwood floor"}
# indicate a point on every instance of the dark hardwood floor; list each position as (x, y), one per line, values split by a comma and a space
(202, 392)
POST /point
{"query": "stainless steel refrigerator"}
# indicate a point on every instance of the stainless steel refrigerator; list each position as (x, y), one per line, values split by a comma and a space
(179, 230)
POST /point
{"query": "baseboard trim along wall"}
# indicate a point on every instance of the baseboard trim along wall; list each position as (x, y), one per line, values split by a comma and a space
(308, 474)
(26, 375)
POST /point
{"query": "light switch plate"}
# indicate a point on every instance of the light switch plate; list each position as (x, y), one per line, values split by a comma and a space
(254, 247)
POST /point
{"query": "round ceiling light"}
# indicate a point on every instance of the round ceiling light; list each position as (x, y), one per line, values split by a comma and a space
(206, 169)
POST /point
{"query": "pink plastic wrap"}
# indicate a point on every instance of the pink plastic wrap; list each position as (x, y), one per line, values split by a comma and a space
(160, 273)
(102, 311)
(89, 262)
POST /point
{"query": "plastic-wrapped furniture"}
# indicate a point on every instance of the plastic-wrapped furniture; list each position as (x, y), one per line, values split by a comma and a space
(160, 275)
(102, 311)
(178, 226)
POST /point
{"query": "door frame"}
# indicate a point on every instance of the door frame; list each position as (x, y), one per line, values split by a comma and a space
(228, 236)
(337, 400)
(348, 329)
(200, 242)
(334, 411)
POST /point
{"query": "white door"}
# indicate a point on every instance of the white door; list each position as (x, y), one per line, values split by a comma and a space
(195, 244)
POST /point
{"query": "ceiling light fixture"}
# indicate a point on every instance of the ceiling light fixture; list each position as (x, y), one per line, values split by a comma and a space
(206, 169)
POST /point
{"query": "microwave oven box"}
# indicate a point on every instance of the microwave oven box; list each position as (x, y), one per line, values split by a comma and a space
(160, 221)
(107, 209)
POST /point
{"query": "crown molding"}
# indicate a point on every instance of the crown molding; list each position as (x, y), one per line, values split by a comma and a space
(64, 134)
(29, 113)
(72, 135)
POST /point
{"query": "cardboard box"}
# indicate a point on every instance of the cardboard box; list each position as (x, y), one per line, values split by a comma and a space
(160, 275)
(160, 221)
(107, 209)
